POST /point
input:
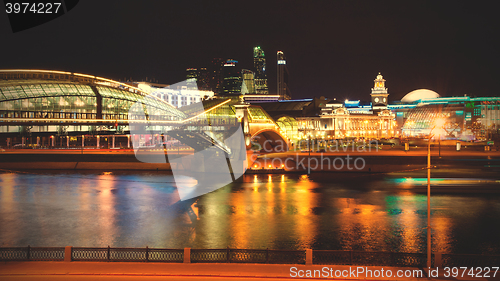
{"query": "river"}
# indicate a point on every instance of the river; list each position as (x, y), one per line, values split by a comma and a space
(335, 211)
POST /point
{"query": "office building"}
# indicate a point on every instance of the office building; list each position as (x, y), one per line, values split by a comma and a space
(216, 75)
(248, 86)
(259, 63)
(231, 84)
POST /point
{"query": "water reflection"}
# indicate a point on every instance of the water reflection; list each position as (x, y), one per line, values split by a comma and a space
(260, 211)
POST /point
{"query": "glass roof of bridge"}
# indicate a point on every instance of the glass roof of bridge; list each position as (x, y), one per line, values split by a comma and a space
(163, 107)
(257, 114)
(26, 90)
(12, 90)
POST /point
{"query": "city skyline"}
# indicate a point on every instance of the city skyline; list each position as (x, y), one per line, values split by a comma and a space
(333, 49)
(252, 80)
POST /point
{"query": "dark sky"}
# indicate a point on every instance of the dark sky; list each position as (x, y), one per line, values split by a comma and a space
(333, 48)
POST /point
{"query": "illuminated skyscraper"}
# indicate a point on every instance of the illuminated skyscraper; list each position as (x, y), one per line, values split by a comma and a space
(192, 78)
(197, 79)
(232, 79)
(283, 90)
(248, 81)
(259, 63)
(191, 73)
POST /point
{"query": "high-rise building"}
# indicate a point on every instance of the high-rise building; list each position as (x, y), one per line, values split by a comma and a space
(198, 79)
(192, 78)
(232, 79)
(191, 73)
(283, 90)
(259, 63)
(216, 75)
(248, 86)
(203, 79)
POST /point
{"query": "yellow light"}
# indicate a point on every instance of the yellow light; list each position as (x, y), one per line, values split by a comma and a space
(206, 111)
(84, 75)
(439, 122)
(269, 166)
(34, 70)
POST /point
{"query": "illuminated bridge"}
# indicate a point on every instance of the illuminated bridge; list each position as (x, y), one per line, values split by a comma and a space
(40, 108)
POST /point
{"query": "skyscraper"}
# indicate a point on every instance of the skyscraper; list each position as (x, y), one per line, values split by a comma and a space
(203, 79)
(232, 79)
(283, 90)
(192, 78)
(259, 63)
(248, 81)
(216, 75)
(197, 79)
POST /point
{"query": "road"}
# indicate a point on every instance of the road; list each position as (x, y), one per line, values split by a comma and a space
(181, 271)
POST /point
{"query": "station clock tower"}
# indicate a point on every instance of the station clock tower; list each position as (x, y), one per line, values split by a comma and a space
(379, 94)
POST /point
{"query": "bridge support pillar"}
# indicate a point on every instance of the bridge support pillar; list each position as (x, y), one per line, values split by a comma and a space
(98, 137)
(67, 141)
(113, 142)
(128, 141)
(83, 141)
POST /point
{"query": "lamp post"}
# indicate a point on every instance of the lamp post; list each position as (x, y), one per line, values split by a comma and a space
(438, 123)
(429, 257)
(439, 139)
(309, 145)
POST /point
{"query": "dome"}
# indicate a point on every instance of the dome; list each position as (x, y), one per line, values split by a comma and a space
(419, 94)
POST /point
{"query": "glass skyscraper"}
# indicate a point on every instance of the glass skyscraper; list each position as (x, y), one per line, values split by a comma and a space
(232, 79)
(259, 63)
(249, 81)
(192, 78)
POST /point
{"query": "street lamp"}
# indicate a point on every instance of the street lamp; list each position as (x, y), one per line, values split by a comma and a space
(438, 123)
(439, 140)
(309, 146)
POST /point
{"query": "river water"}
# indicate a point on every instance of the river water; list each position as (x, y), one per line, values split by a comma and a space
(290, 211)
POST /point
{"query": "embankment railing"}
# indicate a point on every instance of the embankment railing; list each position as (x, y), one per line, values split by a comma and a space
(265, 256)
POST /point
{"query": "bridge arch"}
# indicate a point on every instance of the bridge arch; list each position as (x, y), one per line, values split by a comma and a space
(268, 140)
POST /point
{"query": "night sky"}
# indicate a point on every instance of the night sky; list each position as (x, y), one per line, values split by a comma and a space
(333, 48)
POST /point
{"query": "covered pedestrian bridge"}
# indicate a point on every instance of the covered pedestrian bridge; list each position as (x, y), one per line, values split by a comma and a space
(51, 109)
